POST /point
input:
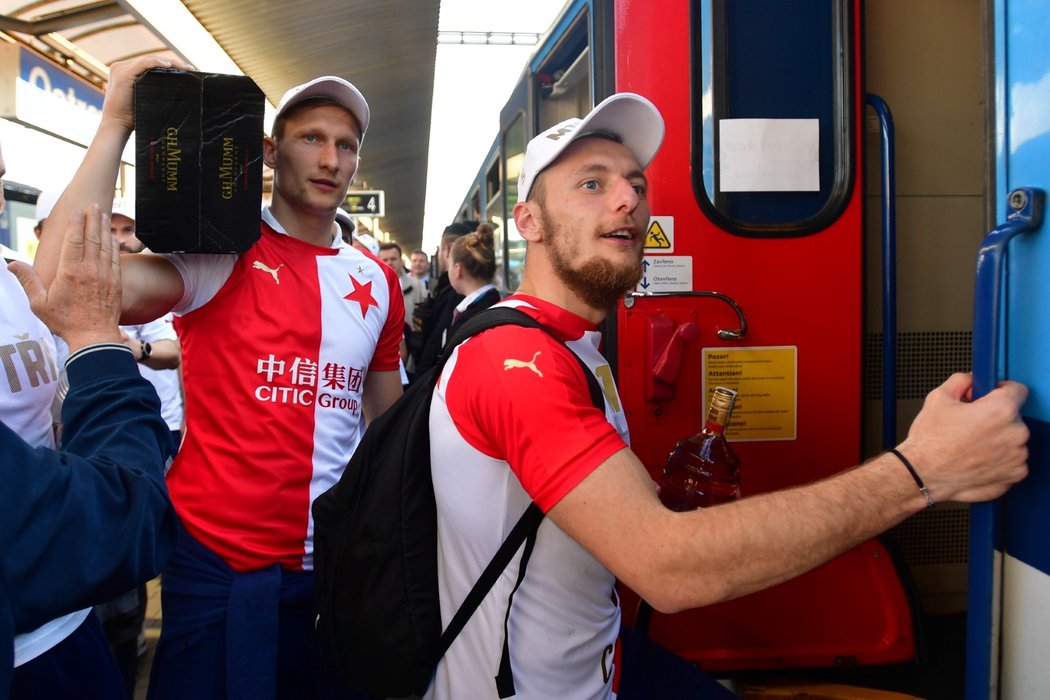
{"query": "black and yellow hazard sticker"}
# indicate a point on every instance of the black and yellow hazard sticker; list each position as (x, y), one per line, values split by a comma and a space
(659, 237)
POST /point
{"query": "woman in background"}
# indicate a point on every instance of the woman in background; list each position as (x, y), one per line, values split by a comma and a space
(472, 267)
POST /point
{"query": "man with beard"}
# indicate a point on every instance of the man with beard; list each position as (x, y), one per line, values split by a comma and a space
(122, 226)
(512, 421)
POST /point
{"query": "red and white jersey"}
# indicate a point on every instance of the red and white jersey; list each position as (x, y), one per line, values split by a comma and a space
(274, 365)
(511, 421)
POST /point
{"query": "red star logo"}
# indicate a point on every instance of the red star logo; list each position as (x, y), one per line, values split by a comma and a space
(362, 294)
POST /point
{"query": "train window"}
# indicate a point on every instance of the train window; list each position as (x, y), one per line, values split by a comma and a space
(492, 181)
(772, 151)
(564, 76)
(513, 154)
(488, 207)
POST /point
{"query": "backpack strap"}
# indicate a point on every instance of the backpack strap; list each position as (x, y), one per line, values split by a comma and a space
(505, 677)
(509, 316)
(529, 522)
(490, 318)
(523, 530)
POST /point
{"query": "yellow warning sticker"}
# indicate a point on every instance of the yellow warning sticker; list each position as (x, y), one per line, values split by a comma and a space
(659, 237)
(765, 379)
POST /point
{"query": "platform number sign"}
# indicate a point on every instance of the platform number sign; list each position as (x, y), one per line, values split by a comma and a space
(366, 203)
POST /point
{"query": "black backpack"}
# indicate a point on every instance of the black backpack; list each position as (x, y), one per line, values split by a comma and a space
(375, 548)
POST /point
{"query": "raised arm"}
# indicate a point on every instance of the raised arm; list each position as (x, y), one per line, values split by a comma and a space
(963, 451)
(151, 290)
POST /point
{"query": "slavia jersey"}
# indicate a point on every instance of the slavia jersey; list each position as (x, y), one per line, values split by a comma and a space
(274, 367)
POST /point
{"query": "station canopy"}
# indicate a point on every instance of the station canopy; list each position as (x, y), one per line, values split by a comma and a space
(386, 48)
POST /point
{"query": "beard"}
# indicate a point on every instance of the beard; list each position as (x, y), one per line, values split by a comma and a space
(598, 282)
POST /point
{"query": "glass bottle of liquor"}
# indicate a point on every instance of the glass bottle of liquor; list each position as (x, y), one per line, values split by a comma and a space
(702, 470)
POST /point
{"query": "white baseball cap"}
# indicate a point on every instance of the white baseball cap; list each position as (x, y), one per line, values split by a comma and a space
(627, 115)
(124, 207)
(368, 241)
(334, 88)
(342, 217)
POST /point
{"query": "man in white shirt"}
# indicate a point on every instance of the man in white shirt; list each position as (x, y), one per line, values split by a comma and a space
(582, 207)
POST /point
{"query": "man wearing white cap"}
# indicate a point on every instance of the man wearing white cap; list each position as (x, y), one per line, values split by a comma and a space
(582, 207)
(122, 226)
(348, 230)
(287, 349)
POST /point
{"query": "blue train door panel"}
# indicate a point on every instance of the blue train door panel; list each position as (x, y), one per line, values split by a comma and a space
(1009, 597)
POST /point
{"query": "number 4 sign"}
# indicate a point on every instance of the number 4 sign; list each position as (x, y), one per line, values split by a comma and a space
(366, 202)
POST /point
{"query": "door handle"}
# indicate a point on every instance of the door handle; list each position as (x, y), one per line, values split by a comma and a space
(1026, 206)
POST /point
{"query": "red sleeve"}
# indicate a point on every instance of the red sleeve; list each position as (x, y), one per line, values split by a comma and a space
(545, 427)
(388, 349)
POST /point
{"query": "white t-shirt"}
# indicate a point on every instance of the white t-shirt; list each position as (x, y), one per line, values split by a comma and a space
(165, 381)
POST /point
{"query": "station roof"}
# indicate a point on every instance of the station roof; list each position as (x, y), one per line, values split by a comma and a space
(387, 48)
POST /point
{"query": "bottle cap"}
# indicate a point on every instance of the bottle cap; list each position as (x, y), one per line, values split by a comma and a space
(723, 398)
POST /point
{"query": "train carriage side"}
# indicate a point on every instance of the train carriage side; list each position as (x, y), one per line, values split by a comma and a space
(767, 192)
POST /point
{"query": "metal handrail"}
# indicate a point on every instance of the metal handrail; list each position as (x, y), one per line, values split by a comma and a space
(1026, 214)
(889, 272)
(724, 334)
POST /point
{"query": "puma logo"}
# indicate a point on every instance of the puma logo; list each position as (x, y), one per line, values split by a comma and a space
(259, 265)
(561, 132)
(511, 363)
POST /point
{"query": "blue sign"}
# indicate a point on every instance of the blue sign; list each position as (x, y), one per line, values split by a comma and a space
(53, 80)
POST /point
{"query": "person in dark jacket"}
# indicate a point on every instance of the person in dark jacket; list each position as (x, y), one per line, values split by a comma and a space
(85, 523)
(472, 268)
(434, 315)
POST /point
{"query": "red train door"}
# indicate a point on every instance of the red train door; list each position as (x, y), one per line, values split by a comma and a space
(756, 195)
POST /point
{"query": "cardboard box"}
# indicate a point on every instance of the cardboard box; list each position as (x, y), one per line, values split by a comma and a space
(198, 161)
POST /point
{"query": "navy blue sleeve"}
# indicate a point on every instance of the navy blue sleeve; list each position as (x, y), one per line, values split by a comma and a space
(90, 522)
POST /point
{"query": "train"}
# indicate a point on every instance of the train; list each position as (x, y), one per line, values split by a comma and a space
(847, 208)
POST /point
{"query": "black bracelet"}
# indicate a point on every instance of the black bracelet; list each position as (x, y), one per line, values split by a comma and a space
(914, 475)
